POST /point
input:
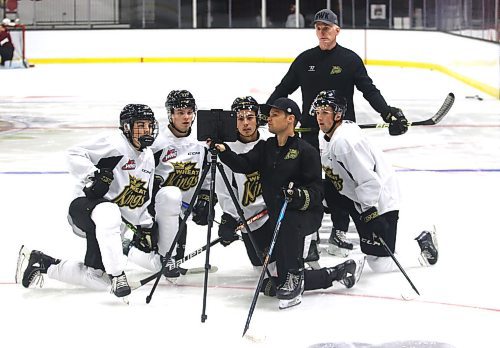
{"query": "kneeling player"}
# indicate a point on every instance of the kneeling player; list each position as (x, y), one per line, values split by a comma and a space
(114, 185)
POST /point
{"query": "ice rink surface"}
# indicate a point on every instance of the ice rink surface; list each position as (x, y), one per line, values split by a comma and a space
(449, 176)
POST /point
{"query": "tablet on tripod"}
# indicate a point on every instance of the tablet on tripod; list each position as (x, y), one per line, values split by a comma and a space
(218, 125)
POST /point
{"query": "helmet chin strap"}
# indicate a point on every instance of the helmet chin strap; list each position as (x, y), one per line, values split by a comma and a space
(186, 133)
(145, 141)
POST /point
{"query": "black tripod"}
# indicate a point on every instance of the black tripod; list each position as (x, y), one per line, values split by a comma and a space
(211, 166)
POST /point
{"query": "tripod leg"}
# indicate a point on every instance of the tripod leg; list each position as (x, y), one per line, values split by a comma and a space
(242, 218)
(182, 227)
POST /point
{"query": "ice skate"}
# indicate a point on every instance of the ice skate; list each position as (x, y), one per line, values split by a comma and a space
(171, 270)
(290, 293)
(120, 286)
(428, 248)
(31, 265)
(338, 244)
(347, 273)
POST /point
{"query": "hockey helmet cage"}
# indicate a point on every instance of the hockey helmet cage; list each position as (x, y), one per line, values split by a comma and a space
(135, 112)
(249, 103)
(329, 98)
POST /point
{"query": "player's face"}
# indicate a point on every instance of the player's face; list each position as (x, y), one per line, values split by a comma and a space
(182, 119)
(327, 35)
(278, 121)
(246, 122)
(325, 117)
(140, 128)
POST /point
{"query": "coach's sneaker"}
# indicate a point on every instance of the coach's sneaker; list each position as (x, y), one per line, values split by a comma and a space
(119, 285)
(290, 293)
(338, 244)
(428, 248)
(347, 273)
(31, 265)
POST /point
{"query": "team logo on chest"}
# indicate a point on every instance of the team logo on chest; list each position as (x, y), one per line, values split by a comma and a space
(335, 70)
(134, 195)
(170, 154)
(334, 178)
(292, 154)
(252, 188)
(130, 165)
(184, 176)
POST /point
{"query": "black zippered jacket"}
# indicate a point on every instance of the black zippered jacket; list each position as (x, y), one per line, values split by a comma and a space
(297, 162)
(340, 69)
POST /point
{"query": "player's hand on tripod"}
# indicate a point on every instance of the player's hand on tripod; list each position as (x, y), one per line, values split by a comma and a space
(201, 208)
(398, 124)
(376, 223)
(99, 183)
(227, 229)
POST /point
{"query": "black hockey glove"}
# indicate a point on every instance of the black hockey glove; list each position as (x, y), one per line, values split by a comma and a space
(201, 207)
(227, 229)
(99, 184)
(297, 198)
(376, 223)
(146, 238)
(398, 124)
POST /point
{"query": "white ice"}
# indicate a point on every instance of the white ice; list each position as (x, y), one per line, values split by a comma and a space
(449, 177)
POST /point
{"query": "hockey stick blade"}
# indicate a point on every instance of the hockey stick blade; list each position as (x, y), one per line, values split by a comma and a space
(197, 270)
(438, 116)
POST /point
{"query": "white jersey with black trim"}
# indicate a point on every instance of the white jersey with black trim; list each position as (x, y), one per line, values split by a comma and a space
(248, 190)
(133, 173)
(180, 162)
(359, 170)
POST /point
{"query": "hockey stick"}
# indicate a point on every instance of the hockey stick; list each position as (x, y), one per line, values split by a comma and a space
(265, 264)
(438, 116)
(137, 284)
(397, 263)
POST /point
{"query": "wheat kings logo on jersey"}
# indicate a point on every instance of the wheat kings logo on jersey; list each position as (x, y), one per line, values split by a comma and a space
(334, 178)
(184, 176)
(133, 195)
(252, 188)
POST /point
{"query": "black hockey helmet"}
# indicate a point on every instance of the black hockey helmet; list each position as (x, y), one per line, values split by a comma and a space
(135, 112)
(249, 103)
(329, 98)
(179, 99)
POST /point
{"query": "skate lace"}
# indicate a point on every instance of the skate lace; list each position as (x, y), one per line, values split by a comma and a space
(341, 236)
(119, 282)
(36, 279)
(292, 281)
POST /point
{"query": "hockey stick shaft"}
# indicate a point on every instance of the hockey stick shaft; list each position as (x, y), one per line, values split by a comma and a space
(438, 116)
(135, 285)
(397, 263)
(264, 266)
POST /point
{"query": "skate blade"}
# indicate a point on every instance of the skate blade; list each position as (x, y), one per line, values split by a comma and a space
(21, 262)
(360, 264)
(336, 251)
(284, 304)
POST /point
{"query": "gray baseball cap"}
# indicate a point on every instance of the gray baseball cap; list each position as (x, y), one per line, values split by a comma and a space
(326, 16)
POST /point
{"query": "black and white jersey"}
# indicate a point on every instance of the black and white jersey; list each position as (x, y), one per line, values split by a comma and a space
(133, 172)
(180, 162)
(246, 187)
(359, 170)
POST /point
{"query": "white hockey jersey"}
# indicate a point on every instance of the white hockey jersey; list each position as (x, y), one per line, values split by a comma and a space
(180, 162)
(248, 190)
(133, 172)
(358, 170)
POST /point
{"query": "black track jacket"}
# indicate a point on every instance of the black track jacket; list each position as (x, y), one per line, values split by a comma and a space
(341, 69)
(297, 162)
